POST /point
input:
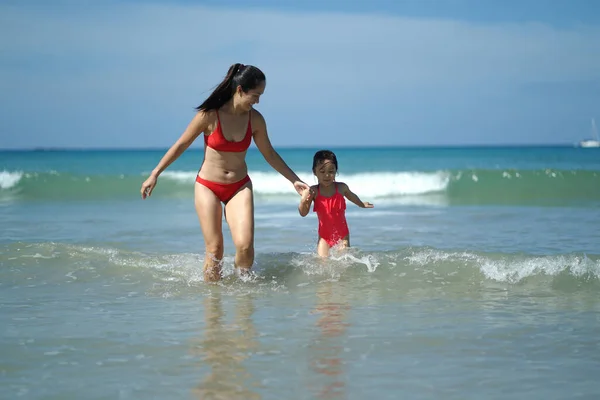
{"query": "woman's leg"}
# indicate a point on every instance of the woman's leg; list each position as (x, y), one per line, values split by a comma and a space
(239, 212)
(210, 214)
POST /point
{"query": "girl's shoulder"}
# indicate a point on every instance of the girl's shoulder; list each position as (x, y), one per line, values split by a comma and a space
(314, 189)
(342, 187)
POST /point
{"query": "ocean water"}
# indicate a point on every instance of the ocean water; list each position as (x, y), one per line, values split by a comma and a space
(475, 276)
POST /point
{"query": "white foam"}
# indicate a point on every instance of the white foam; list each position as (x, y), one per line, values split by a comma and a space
(512, 269)
(9, 179)
(383, 184)
(516, 270)
(369, 185)
(180, 176)
(368, 260)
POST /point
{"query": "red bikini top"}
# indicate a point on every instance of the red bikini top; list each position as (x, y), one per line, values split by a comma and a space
(217, 141)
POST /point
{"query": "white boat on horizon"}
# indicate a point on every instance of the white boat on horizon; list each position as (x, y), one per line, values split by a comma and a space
(592, 142)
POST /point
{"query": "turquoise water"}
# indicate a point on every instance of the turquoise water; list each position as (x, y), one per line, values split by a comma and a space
(476, 275)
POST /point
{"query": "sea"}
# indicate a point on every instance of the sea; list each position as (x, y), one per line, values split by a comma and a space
(475, 276)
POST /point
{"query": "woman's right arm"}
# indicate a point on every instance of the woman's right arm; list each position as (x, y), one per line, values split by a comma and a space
(198, 125)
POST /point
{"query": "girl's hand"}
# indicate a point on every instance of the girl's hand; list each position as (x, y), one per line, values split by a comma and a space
(148, 186)
(368, 205)
(300, 187)
(307, 195)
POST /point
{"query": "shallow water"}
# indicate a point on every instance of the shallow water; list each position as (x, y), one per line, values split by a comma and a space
(443, 295)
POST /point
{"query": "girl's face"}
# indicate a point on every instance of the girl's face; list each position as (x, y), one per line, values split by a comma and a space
(325, 172)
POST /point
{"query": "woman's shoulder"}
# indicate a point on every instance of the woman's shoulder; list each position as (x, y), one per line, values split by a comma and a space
(206, 119)
(257, 118)
(201, 121)
(207, 115)
(256, 113)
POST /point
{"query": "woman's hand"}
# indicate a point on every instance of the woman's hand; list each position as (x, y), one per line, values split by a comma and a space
(307, 195)
(368, 205)
(148, 186)
(300, 187)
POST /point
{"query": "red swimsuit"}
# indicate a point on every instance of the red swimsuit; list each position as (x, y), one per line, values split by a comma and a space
(331, 212)
(216, 140)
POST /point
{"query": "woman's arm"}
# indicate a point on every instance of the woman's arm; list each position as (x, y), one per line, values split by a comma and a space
(261, 139)
(350, 195)
(198, 124)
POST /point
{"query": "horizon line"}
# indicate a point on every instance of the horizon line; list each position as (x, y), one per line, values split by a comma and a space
(300, 147)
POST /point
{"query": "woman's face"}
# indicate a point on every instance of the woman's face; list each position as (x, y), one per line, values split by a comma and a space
(251, 97)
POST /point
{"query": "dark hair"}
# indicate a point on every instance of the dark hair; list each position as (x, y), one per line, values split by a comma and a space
(246, 76)
(324, 155)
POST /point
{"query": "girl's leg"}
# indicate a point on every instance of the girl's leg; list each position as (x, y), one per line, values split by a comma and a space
(322, 248)
(345, 242)
(210, 214)
(239, 213)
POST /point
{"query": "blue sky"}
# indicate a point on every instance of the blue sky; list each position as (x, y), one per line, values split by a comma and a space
(109, 74)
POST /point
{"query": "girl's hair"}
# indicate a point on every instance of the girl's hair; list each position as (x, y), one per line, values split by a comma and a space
(324, 155)
(246, 76)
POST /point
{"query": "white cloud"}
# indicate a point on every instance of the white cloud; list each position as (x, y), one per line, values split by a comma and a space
(163, 52)
(408, 51)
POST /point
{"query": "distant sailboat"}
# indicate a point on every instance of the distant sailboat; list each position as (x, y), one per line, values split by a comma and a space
(594, 141)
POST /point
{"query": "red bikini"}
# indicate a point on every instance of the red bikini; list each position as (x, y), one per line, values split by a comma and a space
(216, 140)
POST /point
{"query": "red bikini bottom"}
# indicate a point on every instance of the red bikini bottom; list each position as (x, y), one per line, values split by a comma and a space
(224, 191)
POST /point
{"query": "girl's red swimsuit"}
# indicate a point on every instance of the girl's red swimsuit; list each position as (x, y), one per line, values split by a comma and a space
(331, 212)
(216, 140)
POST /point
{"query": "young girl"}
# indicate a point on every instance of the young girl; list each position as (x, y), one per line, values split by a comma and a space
(330, 204)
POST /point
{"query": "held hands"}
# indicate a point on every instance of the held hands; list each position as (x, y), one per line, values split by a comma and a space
(148, 186)
(307, 195)
(300, 187)
(305, 200)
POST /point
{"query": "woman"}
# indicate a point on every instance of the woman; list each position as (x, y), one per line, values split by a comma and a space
(229, 123)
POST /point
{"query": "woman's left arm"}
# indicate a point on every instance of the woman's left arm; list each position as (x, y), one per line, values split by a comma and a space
(261, 139)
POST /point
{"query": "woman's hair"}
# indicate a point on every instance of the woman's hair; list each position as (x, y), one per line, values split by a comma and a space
(246, 76)
(324, 155)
